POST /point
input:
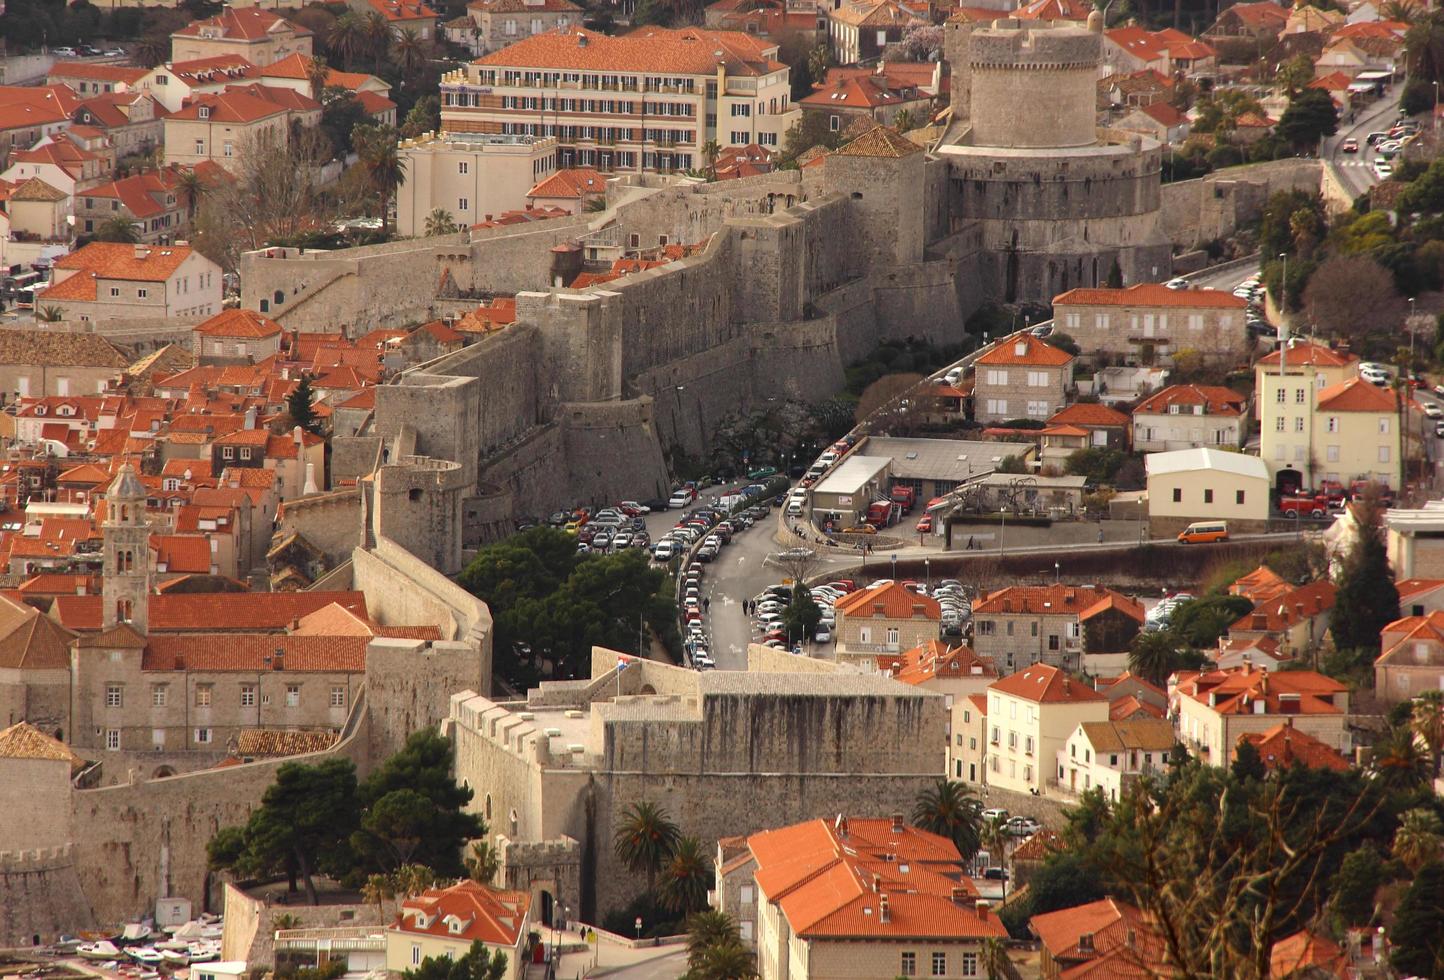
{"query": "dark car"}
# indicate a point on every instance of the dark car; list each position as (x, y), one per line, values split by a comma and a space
(996, 874)
(655, 504)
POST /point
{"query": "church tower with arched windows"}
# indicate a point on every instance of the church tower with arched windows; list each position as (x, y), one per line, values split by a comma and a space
(125, 580)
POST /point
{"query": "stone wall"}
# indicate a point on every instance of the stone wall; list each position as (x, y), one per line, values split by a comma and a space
(1215, 206)
(330, 521)
(145, 840)
(409, 684)
(40, 895)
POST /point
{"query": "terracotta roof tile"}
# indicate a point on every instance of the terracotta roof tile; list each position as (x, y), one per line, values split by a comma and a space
(242, 23)
(1357, 395)
(1045, 684)
(880, 141)
(1283, 745)
(493, 916)
(1088, 414)
(890, 601)
(238, 323)
(253, 651)
(570, 184)
(1152, 294)
(688, 51)
(58, 349)
(1024, 348)
(24, 741)
(1216, 400)
(200, 612)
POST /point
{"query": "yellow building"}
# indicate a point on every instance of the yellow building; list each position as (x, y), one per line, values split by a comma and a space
(647, 100)
(962, 678)
(1188, 485)
(470, 176)
(1031, 715)
(444, 922)
(1216, 707)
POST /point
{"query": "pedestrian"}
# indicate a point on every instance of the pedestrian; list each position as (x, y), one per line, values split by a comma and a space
(706, 604)
(1100, 535)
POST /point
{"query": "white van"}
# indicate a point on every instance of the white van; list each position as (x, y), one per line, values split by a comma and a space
(953, 376)
(794, 508)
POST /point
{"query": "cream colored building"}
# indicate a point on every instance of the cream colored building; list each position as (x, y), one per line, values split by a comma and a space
(259, 36)
(470, 176)
(1214, 708)
(442, 923)
(968, 753)
(1414, 539)
(1412, 660)
(222, 128)
(883, 619)
(1108, 755)
(1189, 417)
(1188, 485)
(1149, 322)
(497, 23)
(113, 281)
(962, 678)
(647, 100)
(1344, 432)
(1031, 715)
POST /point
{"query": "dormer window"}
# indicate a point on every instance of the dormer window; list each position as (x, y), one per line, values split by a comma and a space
(205, 112)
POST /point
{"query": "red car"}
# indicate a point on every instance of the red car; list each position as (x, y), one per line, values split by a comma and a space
(1349, 145)
(1316, 506)
(925, 525)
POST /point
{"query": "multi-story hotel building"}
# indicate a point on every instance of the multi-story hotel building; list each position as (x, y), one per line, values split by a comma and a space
(648, 100)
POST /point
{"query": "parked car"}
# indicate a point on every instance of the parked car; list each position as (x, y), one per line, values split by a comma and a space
(1304, 506)
(823, 634)
(996, 874)
(925, 524)
(1178, 282)
(1349, 145)
(1023, 826)
(994, 813)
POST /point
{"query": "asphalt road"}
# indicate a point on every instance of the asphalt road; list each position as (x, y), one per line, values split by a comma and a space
(1356, 170)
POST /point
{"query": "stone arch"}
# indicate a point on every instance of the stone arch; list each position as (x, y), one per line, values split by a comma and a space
(162, 772)
(647, 689)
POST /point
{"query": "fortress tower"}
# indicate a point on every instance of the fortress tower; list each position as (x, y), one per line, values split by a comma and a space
(1032, 85)
(125, 577)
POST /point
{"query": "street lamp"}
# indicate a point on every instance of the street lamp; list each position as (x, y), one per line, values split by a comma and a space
(1002, 529)
(1411, 305)
(927, 574)
(1057, 574)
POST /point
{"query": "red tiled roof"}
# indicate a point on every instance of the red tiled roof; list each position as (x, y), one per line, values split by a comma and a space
(890, 601)
(1151, 294)
(1304, 353)
(1055, 600)
(491, 915)
(1235, 691)
(243, 23)
(1307, 954)
(238, 323)
(1088, 414)
(218, 69)
(1045, 684)
(233, 105)
(1165, 115)
(687, 51)
(570, 184)
(833, 878)
(1288, 610)
(252, 652)
(1216, 399)
(197, 612)
(935, 660)
(400, 11)
(1357, 395)
(182, 553)
(1024, 348)
(1283, 745)
(92, 72)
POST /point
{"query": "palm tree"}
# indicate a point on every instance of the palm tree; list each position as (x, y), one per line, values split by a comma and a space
(118, 229)
(686, 877)
(190, 188)
(1154, 656)
(709, 928)
(386, 171)
(50, 314)
(440, 222)
(1398, 760)
(995, 958)
(645, 840)
(412, 879)
(952, 810)
(317, 71)
(1418, 839)
(152, 50)
(484, 862)
(731, 961)
(711, 150)
(1427, 722)
(378, 888)
(1402, 11)
(377, 33)
(818, 61)
(348, 38)
(409, 54)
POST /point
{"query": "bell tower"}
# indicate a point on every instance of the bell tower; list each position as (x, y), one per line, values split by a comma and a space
(125, 580)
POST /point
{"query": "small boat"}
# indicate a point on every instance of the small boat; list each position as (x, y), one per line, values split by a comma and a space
(202, 952)
(146, 955)
(103, 949)
(174, 957)
(178, 945)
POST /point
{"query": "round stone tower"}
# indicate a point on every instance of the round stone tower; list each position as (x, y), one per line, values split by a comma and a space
(1033, 84)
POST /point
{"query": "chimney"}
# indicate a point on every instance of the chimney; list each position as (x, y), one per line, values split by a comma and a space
(897, 823)
(296, 435)
(310, 486)
(883, 915)
(141, 251)
(876, 882)
(250, 418)
(960, 898)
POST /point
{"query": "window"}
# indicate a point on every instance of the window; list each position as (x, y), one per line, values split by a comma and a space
(745, 894)
(986, 627)
(338, 697)
(1299, 424)
(741, 109)
(739, 136)
(1383, 454)
(997, 377)
(1208, 496)
(157, 738)
(1028, 742)
(994, 736)
(227, 149)
(970, 964)
(1332, 452)
(416, 948)
(1299, 396)
(115, 290)
(1280, 395)
(293, 695)
(1178, 495)
(203, 736)
(1332, 424)
(114, 696)
(1238, 496)
(1053, 643)
(200, 148)
(463, 204)
(158, 696)
(142, 293)
(909, 965)
(864, 634)
(228, 452)
(834, 123)
(940, 964)
(245, 452)
(248, 695)
(1279, 423)
(1037, 379)
(1384, 425)
(203, 695)
(462, 167)
(112, 739)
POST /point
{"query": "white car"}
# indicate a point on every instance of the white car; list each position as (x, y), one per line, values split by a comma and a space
(1383, 170)
(1177, 283)
(823, 634)
(1433, 410)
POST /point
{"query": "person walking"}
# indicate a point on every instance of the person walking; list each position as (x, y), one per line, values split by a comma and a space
(706, 604)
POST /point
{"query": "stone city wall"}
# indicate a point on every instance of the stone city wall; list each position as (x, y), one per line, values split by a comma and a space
(40, 895)
(1215, 206)
(331, 521)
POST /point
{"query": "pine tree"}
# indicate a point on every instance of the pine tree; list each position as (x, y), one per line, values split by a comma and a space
(298, 406)
(1367, 599)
